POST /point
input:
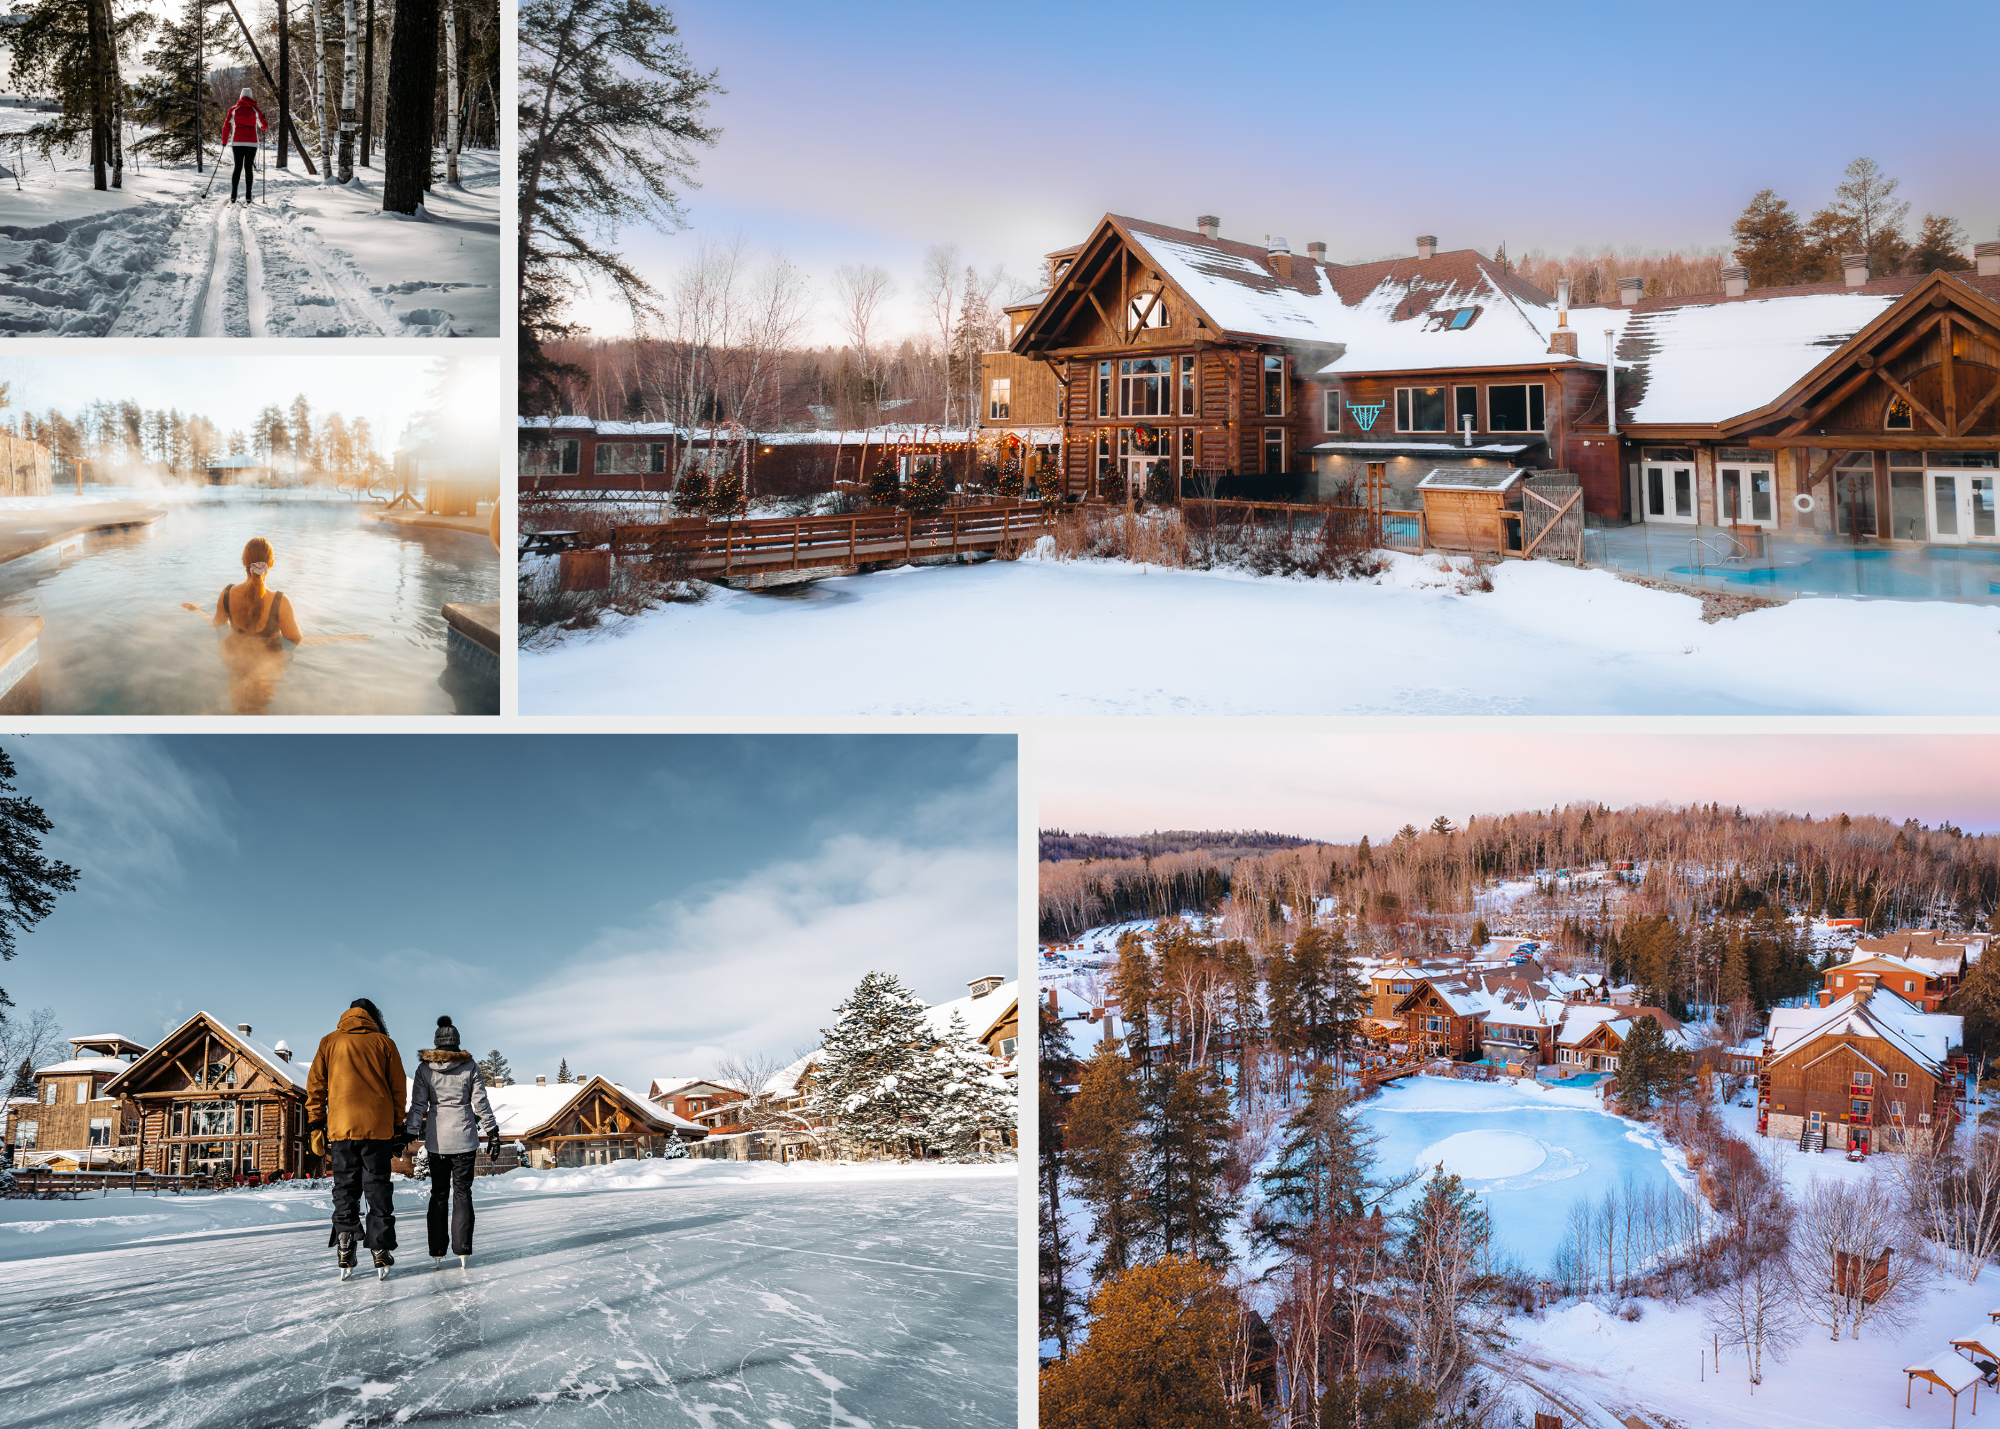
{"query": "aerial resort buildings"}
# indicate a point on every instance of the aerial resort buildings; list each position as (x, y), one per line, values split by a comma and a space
(1168, 361)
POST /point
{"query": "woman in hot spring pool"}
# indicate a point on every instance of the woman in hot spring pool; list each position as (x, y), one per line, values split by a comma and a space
(260, 621)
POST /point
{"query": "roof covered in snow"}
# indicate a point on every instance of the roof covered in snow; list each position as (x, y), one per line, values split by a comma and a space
(979, 1013)
(112, 1065)
(1471, 478)
(293, 1072)
(1926, 1038)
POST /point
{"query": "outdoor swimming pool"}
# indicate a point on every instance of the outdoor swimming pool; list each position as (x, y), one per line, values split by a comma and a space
(1527, 1159)
(118, 642)
(1959, 573)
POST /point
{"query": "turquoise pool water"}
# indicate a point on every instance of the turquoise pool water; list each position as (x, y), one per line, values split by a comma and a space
(1932, 574)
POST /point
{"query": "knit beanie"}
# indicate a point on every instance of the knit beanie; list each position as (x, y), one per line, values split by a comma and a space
(447, 1035)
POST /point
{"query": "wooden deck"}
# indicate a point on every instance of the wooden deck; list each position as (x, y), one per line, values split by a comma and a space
(766, 547)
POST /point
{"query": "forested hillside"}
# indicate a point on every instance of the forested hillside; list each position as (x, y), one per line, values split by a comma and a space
(1058, 845)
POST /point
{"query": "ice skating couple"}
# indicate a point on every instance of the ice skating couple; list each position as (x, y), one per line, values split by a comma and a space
(242, 135)
(355, 1114)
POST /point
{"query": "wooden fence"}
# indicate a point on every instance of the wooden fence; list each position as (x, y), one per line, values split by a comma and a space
(726, 548)
(46, 1181)
(1390, 530)
(26, 468)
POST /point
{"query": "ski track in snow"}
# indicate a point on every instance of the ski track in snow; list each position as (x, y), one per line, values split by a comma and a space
(253, 272)
(742, 1305)
(214, 317)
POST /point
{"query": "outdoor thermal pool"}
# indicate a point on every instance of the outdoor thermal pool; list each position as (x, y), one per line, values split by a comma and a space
(1528, 1155)
(118, 642)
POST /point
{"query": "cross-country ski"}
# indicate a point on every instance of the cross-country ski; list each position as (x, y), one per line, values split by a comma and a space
(249, 168)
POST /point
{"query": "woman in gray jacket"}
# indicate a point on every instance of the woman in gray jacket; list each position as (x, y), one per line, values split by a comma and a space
(448, 1108)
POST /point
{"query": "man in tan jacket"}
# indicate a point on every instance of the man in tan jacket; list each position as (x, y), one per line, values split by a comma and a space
(354, 1102)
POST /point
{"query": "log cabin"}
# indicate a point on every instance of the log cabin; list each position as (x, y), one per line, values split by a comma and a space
(214, 1102)
(1867, 409)
(1869, 1072)
(587, 1123)
(1923, 964)
(1591, 1043)
(1443, 1019)
(72, 1122)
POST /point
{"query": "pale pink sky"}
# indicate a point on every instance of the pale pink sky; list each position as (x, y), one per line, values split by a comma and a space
(1337, 781)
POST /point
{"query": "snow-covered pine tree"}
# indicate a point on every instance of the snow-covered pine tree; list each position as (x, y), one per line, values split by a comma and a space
(878, 1079)
(1321, 1175)
(1056, 1064)
(975, 1106)
(1188, 1123)
(494, 1071)
(675, 1149)
(174, 99)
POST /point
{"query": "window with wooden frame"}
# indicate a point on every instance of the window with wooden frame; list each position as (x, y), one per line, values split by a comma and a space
(1186, 462)
(1143, 386)
(82, 1092)
(1190, 400)
(1464, 405)
(1274, 386)
(53, 1088)
(1515, 407)
(177, 1119)
(1332, 417)
(1274, 450)
(630, 458)
(25, 1133)
(100, 1131)
(249, 1118)
(1420, 409)
(1149, 310)
(1103, 454)
(550, 457)
(1103, 389)
(1902, 1079)
(1898, 417)
(999, 397)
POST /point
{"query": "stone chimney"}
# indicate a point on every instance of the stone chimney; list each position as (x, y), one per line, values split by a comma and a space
(541, 1081)
(1210, 226)
(244, 1028)
(1735, 282)
(1986, 258)
(1630, 290)
(1316, 252)
(283, 1049)
(1563, 339)
(1279, 254)
(1854, 268)
(1427, 245)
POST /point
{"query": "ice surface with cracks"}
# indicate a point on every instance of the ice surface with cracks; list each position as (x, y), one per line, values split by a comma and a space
(686, 1299)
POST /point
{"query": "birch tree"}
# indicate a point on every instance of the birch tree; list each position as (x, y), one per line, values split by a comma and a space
(451, 92)
(348, 120)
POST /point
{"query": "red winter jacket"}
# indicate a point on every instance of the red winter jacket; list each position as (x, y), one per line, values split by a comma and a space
(243, 124)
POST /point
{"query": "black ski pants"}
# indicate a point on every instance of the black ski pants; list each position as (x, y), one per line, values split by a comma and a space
(246, 169)
(363, 1167)
(451, 1201)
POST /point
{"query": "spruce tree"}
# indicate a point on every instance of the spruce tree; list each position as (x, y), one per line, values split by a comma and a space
(974, 1112)
(878, 1080)
(1348, 998)
(1939, 246)
(174, 100)
(1187, 1114)
(1770, 242)
(1649, 1067)
(24, 1079)
(1055, 1064)
(494, 1071)
(1322, 1170)
(562, 1072)
(1102, 1146)
(29, 882)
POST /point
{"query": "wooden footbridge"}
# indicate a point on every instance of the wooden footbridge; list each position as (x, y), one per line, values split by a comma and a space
(748, 549)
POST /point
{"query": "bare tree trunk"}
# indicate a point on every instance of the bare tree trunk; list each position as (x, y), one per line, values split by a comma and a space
(117, 100)
(325, 87)
(406, 139)
(451, 93)
(368, 90)
(347, 118)
(284, 90)
(97, 30)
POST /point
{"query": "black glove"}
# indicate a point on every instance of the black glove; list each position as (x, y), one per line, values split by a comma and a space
(493, 1147)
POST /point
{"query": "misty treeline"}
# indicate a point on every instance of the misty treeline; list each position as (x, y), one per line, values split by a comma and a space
(416, 83)
(1701, 858)
(1058, 844)
(293, 440)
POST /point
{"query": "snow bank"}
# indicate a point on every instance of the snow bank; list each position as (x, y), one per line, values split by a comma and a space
(1036, 637)
(31, 1229)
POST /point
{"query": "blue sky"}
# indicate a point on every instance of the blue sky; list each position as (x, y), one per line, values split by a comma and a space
(863, 132)
(637, 904)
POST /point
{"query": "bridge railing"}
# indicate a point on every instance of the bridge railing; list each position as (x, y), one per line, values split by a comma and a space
(787, 543)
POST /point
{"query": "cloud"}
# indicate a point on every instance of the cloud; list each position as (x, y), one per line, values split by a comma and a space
(125, 811)
(757, 964)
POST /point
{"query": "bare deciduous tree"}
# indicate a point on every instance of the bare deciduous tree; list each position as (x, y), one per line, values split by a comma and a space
(1850, 1259)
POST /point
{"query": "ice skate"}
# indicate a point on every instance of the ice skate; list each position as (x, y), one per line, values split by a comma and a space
(344, 1255)
(437, 1262)
(383, 1260)
(465, 1262)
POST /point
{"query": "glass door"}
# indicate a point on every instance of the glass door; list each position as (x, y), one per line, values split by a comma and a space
(1743, 495)
(1669, 491)
(1962, 507)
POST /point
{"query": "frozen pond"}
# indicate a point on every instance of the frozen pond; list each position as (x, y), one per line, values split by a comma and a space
(701, 1305)
(118, 642)
(1529, 1155)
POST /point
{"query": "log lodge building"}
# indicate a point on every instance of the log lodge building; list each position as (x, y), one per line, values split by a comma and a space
(1177, 359)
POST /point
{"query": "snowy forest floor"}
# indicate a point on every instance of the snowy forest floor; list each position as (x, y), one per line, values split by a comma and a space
(1109, 637)
(167, 255)
(649, 1293)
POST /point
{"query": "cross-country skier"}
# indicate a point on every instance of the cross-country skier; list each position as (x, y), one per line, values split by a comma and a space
(448, 1108)
(243, 131)
(354, 1099)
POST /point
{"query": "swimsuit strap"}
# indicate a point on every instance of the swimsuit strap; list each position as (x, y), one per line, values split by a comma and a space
(271, 623)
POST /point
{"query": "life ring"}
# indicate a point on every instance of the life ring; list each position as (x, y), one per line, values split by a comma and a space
(1803, 503)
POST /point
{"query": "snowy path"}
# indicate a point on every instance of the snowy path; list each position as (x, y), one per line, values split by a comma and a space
(740, 1305)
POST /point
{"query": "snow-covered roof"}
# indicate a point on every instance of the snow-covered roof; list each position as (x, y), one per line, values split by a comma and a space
(113, 1065)
(672, 1086)
(1069, 1007)
(293, 1072)
(520, 1108)
(979, 1013)
(785, 1083)
(1581, 1019)
(1952, 1370)
(1471, 478)
(1926, 1038)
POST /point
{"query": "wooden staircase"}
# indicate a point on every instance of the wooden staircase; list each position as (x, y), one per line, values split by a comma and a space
(1812, 1136)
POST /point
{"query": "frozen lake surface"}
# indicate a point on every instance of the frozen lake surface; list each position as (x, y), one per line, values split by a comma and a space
(700, 1304)
(1529, 1154)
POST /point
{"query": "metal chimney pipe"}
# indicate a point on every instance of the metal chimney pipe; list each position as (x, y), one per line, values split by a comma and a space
(1465, 427)
(1610, 382)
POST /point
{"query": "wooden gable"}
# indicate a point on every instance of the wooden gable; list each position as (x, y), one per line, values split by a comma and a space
(1109, 297)
(599, 1109)
(201, 1055)
(1933, 355)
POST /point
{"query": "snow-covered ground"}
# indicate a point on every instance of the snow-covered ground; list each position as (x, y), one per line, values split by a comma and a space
(669, 1293)
(167, 256)
(1104, 637)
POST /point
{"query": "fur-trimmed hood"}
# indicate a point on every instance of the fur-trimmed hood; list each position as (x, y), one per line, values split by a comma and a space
(441, 1054)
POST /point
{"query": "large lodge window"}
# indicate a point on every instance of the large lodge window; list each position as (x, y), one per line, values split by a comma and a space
(1274, 386)
(1515, 407)
(630, 458)
(999, 397)
(212, 1119)
(1143, 386)
(551, 458)
(1187, 387)
(1420, 409)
